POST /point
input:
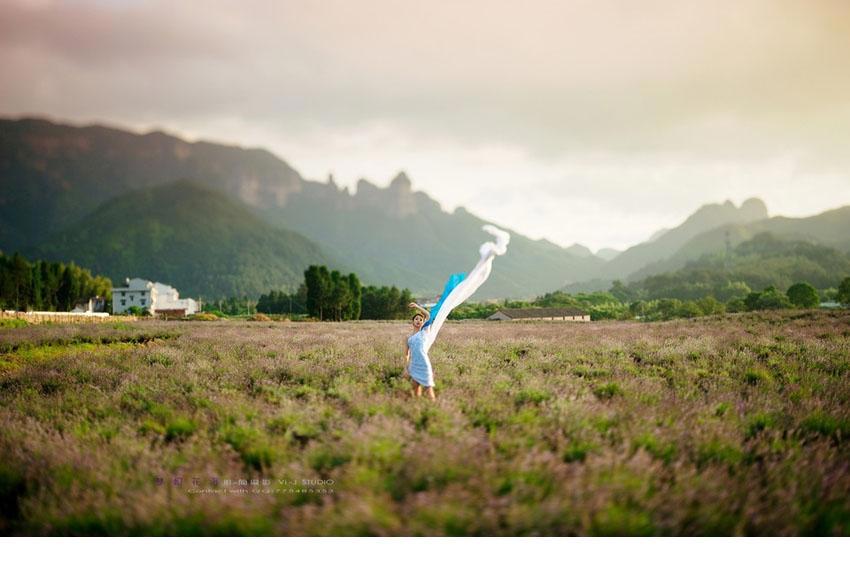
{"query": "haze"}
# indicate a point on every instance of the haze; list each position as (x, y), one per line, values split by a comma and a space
(584, 121)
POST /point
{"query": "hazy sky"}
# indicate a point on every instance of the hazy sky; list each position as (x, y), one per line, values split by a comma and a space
(594, 121)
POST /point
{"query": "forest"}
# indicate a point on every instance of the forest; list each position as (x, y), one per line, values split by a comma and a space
(47, 286)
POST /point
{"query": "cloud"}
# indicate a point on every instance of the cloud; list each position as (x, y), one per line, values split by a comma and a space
(582, 103)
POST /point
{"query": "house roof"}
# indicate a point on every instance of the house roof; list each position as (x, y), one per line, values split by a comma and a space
(135, 284)
(518, 313)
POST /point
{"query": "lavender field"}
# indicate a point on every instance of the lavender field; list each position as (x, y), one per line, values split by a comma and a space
(735, 425)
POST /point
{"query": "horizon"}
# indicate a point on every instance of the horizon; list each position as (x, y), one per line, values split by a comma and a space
(626, 118)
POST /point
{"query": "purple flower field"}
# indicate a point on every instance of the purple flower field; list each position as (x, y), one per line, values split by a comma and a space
(733, 425)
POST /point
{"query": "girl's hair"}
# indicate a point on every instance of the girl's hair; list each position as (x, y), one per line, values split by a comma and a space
(418, 314)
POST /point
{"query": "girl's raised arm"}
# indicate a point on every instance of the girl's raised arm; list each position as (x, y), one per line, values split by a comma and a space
(423, 311)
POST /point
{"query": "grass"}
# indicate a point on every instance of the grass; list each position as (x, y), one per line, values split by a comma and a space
(732, 425)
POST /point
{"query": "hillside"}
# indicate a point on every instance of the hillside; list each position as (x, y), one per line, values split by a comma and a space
(831, 228)
(53, 176)
(403, 237)
(196, 239)
(665, 243)
(765, 260)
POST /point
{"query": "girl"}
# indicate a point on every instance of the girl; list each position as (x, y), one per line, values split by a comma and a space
(458, 288)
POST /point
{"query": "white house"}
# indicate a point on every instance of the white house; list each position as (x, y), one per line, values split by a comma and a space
(135, 292)
(552, 314)
(151, 296)
(168, 302)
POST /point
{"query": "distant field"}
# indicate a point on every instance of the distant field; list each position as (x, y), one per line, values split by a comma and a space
(719, 426)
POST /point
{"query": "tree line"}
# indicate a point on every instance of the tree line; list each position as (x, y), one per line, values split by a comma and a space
(619, 304)
(333, 296)
(47, 286)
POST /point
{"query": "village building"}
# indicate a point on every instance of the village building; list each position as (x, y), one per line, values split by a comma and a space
(95, 304)
(552, 314)
(153, 297)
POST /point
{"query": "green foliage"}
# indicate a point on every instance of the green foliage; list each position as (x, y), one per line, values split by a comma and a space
(827, 425)
(755, 377)
(179, 429)
(280, 302)
(761, 262)
(662, 450)
(202, 242)
(768, 299)
(576, 452)
(251, 445)
(803, 295)
(474, 311)
(843, 295)
(385, 303)
(733, 426)
(45, 286)
(600, 305)
(231, 306)
(607, 391)
(331, 295)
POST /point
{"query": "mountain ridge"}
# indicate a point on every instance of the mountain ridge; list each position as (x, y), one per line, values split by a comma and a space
(181, 233)
(664, 243)
(52, 176)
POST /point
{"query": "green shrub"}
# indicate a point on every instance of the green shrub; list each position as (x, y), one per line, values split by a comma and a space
(577, 452)
(532, 396)
(251, 446)
(203, 317)
(758, 423)
(622, 520)
(607, 391)
(663, 451)
(755, 377)
(717, 452)
(324, 458)
(179, 429)
(803, 295)
(820, 423)
(152, 427)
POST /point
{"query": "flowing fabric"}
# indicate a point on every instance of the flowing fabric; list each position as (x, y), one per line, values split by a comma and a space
(454, 280)
(466, 287)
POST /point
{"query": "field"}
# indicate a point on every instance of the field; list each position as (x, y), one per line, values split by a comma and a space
(734, 425)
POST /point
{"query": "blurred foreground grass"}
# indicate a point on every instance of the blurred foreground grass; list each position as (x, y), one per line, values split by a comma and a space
(718, 426)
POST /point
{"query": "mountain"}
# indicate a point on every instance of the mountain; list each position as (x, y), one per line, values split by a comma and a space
(667, 243)
(53, 176)
(658, 234)
(762, 261)
(607, 253)
(579, 250)
(396, 235)
(831, 228)
(196, 239)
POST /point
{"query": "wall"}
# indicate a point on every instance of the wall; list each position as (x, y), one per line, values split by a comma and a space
(64, 317)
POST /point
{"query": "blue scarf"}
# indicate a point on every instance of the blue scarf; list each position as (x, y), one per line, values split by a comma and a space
(454, 280)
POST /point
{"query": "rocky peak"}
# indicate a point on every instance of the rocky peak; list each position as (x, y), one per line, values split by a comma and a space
(401, 183)
(754, 209)
(397, 200)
